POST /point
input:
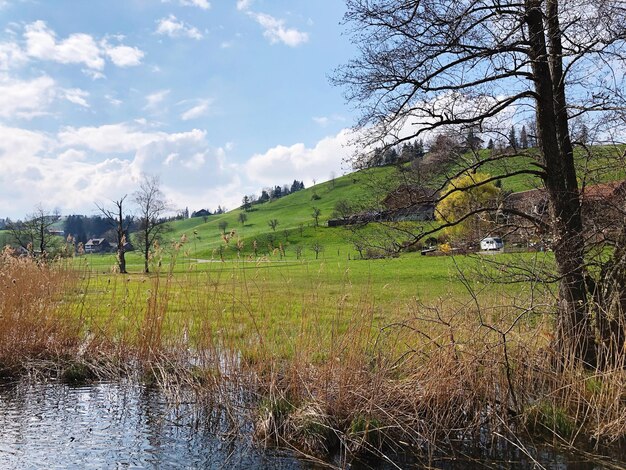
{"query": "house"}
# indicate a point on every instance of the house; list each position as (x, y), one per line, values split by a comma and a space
(96, 245)
(410, 202)
(603, 207)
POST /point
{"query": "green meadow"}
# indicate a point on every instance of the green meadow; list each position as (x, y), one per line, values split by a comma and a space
(248, 303)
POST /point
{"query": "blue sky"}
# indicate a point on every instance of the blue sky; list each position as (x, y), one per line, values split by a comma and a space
(218, 97)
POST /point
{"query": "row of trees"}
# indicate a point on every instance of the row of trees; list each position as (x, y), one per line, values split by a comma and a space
(83, 227)
(269, 194)
(391, 155)
(116, 222)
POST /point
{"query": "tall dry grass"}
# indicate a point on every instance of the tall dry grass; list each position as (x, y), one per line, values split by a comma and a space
(33, 324)
(472, 371)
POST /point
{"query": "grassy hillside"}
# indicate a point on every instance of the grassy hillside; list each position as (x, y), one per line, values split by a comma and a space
(294, 213)
(296, 234)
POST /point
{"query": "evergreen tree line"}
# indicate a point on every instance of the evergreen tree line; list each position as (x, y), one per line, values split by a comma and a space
(407, 152)
(270, 194)
(83, 227)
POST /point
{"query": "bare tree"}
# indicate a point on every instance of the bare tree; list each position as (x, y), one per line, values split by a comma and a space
(33, 233)
(151, 209)
(426, 65)
(120, 224)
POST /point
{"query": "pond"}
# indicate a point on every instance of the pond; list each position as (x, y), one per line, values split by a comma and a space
(114, 426)
(121, 425)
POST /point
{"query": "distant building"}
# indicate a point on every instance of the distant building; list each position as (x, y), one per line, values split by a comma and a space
(603, 207)
(409, 202)
(97, 245)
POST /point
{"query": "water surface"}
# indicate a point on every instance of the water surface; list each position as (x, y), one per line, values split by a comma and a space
(122, 425)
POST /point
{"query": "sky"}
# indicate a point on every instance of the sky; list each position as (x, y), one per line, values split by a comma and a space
(219, 98)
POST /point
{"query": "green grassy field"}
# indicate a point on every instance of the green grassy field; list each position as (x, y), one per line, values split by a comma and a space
(272, 301)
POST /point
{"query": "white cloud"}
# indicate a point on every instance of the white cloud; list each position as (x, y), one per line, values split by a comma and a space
(109, 138)
(173, 28)
(324, 121)
(282, 163)
(78, 48)
(197, 111)
(124, 56)
(113, 100)
(72, 170)
(77, 96)
(156, 98)
(275, 31)
(72, 155)
(203, 4)
(26, 99)
(11, 56)
(18, 146)
(244, 5)
(93, 74)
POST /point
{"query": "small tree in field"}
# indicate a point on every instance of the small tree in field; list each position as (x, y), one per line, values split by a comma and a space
(120, 225)
(316, 215)
(151, 209)
(242, 218)
(222, 225)
(317, 248)
(273, 223)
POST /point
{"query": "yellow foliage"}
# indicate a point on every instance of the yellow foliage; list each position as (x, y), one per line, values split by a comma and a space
(445, 248)
(466, 193)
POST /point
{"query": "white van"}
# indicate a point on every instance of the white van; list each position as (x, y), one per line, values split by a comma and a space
(491, 243)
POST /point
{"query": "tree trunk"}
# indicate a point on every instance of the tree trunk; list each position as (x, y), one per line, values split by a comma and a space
(121, 259)
(121, 238)
(574, 338)
(146, 253)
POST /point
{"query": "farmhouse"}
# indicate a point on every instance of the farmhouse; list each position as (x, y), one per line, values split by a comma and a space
(603, 207)
(409, 202)
(96, 245)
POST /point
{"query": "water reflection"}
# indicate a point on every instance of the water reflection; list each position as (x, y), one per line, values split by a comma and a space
(113, 426)
(130, 426)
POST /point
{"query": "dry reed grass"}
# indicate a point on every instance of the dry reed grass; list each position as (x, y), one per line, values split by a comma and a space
(456, 373)
(32, 325)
